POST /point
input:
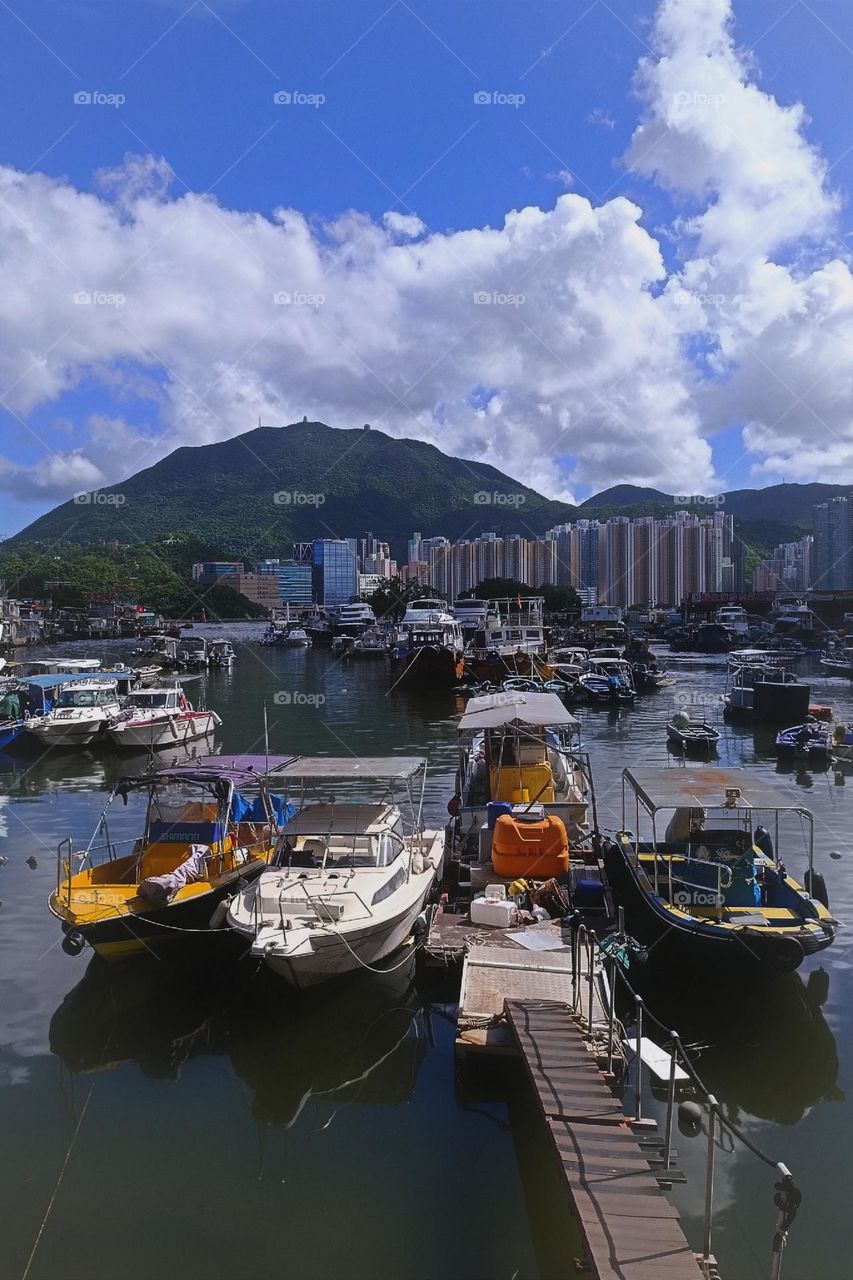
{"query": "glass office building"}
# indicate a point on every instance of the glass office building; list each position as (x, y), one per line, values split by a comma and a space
(294, 580)
(334, 571)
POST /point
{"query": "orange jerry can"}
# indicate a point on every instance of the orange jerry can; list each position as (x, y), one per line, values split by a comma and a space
(539, 849)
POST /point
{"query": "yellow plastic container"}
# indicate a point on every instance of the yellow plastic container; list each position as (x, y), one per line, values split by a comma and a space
(535, 782)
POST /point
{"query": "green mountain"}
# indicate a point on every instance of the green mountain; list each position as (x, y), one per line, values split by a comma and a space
(784, 504)
(253, 495)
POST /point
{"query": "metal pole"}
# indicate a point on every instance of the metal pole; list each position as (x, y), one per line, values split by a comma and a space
(639, 1085)
(709, 1175)
(611, 1008)
(590, 954)
(670, 1102)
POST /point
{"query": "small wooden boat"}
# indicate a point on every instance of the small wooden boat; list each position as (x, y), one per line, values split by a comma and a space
(692, 735)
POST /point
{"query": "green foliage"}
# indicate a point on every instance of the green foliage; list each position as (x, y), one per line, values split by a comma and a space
(150, 574)
(391, 598)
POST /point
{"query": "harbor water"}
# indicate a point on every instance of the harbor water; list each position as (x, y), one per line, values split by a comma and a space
(198, 1118)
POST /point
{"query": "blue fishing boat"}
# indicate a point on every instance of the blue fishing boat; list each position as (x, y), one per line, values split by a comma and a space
(809, 741)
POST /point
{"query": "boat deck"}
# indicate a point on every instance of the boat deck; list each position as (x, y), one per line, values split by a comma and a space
(629, 1228)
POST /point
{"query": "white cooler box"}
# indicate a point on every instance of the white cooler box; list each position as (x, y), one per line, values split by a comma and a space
(503, 915)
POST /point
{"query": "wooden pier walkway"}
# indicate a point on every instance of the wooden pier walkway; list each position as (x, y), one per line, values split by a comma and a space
(630, 1229)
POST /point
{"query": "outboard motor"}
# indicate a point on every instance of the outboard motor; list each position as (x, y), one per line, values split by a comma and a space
(763, 841)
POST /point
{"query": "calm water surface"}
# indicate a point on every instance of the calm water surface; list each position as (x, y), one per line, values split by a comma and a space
(200, 1119)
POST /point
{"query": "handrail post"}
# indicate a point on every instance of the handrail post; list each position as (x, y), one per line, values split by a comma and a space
(639, 1085)
(590, 956)
(709, 1175)
(787, 1202)
(611, 1010)
(670, 1101)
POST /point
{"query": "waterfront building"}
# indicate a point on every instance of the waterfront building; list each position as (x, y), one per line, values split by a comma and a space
(293, 580)
(833, 561)
(334, 571)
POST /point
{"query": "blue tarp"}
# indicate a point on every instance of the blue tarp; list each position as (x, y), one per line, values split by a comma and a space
(243, 810)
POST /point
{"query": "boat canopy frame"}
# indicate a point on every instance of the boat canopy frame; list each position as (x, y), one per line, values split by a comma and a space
(736, 791)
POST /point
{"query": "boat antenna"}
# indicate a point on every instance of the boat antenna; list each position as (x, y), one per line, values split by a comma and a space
(266, 741)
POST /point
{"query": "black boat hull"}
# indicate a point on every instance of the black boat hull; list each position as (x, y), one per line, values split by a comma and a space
(697, 944)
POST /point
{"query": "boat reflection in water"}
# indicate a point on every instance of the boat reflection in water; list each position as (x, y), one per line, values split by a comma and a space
(86, 770)
(765, 1051)
(358, 1040)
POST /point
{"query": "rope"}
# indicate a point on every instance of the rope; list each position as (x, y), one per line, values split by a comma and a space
(372, 968)
(50, 1204)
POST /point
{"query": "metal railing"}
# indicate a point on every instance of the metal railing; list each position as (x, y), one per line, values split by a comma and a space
(588, 963)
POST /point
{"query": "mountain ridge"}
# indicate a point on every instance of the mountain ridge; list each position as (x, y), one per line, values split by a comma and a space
(254, 494)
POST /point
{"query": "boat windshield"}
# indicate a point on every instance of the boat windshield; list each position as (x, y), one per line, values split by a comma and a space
(85, 698)
(150, 699)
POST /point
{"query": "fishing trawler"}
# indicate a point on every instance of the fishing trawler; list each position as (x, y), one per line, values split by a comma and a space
(712, 889)
(426, 647)
(349, 880)
(208, 824)
(511, 642)
(765, 691)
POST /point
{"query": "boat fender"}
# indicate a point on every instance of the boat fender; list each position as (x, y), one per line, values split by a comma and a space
(220, 911)
(417, 864)
(763, 841)
(815, 887)
(689, 1118)
(73, 942)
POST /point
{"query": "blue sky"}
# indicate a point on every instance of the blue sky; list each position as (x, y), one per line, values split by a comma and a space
(398, 128)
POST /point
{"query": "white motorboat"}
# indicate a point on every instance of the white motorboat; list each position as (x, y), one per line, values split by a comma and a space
(296, 638)
(160, 718)
(82, 712)
(349, 881)
(220, 653)
(192, 651)
(372, 643)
